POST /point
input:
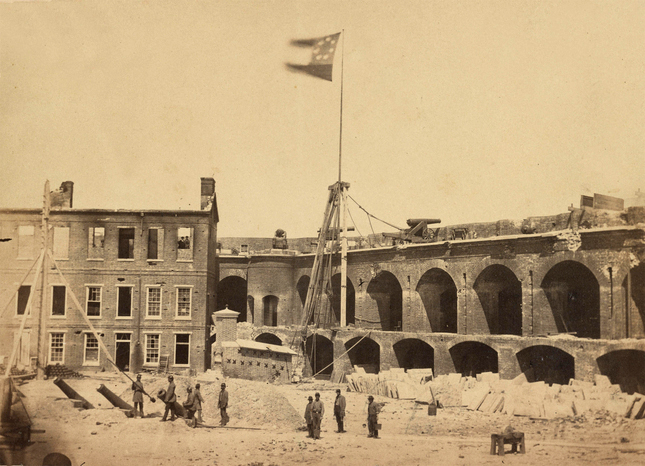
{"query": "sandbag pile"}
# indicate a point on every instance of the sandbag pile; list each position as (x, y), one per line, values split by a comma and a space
(395, 383)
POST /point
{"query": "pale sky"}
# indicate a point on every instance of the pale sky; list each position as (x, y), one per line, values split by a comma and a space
(465, 111)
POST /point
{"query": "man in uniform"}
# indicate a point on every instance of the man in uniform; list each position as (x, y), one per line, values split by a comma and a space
(317, 413)
(339, 411)
(309, 418)
(372, 417)
(222, 404)
(198, 403)
(189, 404)
(169, 399)
(137, 396)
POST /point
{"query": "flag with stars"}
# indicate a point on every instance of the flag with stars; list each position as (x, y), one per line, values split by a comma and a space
(322, 56)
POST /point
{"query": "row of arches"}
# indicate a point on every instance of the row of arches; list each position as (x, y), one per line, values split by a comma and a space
(539, 362)
(571, 290)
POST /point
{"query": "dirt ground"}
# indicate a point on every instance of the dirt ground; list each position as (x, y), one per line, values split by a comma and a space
(267, 428)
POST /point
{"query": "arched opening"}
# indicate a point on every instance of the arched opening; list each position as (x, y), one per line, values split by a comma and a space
(366, 354)
(270, 306)
(471, 358)
(386, 291)
(636, 305)
(543, 363)
(251, 307)
(414, 354)
(438, 294)
(231, 292)
(269, 339)
(625, 368)
(335, 299)
(302, 287)
(320, 354)
(500, 295)
(574, 295)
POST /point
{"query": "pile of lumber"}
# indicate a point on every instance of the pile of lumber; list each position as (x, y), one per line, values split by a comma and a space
(395, 383)
(487, 393)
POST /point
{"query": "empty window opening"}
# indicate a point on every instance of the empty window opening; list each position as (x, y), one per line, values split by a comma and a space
(471, 358)
(438, 295)
(414, 354)
(270, 304)
(185, 244)
(59, 297)
(182, 349)
(155, 243)
(547, 364)
(124, 301)
(93, 301)
(126, 243)
(22, 299)
(367, 354)
(96, 243)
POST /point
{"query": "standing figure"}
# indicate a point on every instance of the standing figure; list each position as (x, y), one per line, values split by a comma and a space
(309, 419)
(317, 413)
(372, 417)
(189, 404)
(169, 399)
(222, 404)
(198, 404)
(137, 396)
(339, 411)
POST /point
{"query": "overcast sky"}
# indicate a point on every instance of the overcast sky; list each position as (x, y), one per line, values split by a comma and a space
(465, 111)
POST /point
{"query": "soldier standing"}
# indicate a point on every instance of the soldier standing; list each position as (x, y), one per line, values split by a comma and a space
(309, 418)
(222, 404)
(339, 411)
(317, 413)
(137, 396)
(169, 399)
(198, 403)
(372, 417)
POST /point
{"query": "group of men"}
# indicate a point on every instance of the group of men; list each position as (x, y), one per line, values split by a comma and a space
(192, 405)
(315, 410)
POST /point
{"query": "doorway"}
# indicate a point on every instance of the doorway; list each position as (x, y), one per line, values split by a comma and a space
(122, 358)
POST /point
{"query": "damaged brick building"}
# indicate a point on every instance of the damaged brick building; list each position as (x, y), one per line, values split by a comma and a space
(560, 297)
(146, 279)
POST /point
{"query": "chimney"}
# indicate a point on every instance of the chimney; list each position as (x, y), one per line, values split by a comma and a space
(63, 197)
(208, 193)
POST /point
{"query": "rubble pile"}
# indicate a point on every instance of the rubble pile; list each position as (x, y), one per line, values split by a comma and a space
(395, 383)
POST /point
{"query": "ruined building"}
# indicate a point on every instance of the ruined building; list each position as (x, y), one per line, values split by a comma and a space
(146, 279)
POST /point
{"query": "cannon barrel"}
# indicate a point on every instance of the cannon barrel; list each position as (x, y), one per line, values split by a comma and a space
(113, 398)
(71, 393)
(413, 222)
(5, 400)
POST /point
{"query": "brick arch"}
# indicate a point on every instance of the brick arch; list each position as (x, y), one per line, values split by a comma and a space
(500, 295)
(472, 357)
(414, 353)
(387, 295)
(438, 293)
(284, 337)
(546, 363)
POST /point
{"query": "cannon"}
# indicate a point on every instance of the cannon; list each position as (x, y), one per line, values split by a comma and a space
(417, 233)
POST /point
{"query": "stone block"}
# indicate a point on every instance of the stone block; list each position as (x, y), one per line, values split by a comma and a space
(602, 381)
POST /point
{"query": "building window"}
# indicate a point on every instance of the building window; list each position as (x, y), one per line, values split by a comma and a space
(152, 348)
(91, 355)
(96, 243)
(93, 305)
(22, 298)
(182, 349)
(185, 244)
(155, 244)
(126, 243)
(26, 242)
(244, 248)
(61, 243)
(124, 301)
(183, 301)
(56, 348)
(59, 298)
(153, 307)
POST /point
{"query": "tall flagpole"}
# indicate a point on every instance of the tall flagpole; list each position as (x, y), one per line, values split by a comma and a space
(343, 204)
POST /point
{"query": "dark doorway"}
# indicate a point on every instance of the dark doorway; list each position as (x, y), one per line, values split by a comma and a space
(270, 305)
(320, 354)
(231, 292)
(574, 295)
(122, 358)
(471, 358)
(335, 300)
(386, 292)
(547, 364)
(636, 304)
(438, 294)
(414, 354)
(500, 295)
(302, 287)
(625, 368)
(367, 354)
(269, 338)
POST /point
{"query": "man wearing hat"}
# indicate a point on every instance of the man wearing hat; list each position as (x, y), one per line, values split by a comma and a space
(372, 417)
(189, 404)
(339, 411)
(317, 413)
(222, 404)
(137, 396)
(169, 399)
(309, 418)
(198, 403)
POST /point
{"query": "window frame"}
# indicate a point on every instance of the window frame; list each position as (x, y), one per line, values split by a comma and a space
(51, 301)
(192, 244)
(96, 363)
(87, 299)
(50, 361)
(174, 359)
(190, 302)
(118, 249)
(17, 314)
(145, 349)
(91, 232)
(160, 244)
(118, 301)
(148, 315)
